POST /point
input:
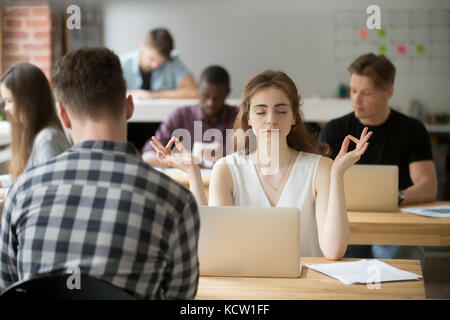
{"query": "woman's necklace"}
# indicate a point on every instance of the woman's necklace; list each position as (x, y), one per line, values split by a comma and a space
(284, 174)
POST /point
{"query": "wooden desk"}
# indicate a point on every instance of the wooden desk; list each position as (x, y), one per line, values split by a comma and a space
(399, 228)
(182, 178)
(383, 228)
(312, 285)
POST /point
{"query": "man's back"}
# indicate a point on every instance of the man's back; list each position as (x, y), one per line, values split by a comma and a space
(100, 208)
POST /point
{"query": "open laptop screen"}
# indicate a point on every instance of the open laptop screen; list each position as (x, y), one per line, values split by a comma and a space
(371, 188)
(249, 241)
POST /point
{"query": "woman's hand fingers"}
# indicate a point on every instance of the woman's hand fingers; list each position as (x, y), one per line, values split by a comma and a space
(158, 143)
(179, 145)
(156, 147)
(364, 148)
(345, 144)
(363, 133)
(360, 143)
(181, 159)
(345, 159)
(186, 155)
(164, 154)
(352, 138)
(169, 144)
(161, 155)
(363, 141)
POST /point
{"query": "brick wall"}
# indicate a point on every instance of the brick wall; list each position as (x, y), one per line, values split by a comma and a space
(27, 35)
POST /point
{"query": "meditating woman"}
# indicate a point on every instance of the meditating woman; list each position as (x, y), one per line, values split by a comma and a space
(282, 168)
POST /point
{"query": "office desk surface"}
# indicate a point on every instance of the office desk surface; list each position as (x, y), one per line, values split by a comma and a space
(311, 285)
(382, 228)
(399, 228)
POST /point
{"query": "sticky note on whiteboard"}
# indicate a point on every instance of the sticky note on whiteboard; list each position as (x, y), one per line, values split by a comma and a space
(382, 49)
(401, 49)
(420, 49)
(381, 33)
(363, 33)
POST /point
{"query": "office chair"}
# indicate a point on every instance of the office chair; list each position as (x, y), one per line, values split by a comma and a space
(54, 287)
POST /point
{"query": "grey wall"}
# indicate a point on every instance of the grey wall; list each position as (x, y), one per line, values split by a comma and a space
(247, 36)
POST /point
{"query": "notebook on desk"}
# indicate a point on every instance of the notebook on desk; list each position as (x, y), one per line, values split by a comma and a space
(371, 188)
(249, 241)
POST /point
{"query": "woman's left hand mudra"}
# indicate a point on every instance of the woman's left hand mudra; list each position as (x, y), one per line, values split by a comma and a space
(344, 159)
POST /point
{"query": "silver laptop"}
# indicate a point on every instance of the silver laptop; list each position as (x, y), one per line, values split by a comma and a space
(249, 241)
(371, 188)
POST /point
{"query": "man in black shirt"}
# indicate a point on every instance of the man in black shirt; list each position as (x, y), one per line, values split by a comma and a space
(397, 139)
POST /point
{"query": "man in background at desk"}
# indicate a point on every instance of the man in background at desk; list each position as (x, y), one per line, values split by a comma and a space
(156, 71)
(397, 140)
(210, 113)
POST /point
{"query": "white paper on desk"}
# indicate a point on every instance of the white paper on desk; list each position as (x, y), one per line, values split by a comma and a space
(436, 212)
(363, 271)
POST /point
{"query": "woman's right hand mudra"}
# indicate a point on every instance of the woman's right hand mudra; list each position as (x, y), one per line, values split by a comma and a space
(181, 160)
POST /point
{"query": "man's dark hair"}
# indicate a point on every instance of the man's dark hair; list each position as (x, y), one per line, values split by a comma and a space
(90, 83)
(215, 75)
(379, 68)
(161, 40)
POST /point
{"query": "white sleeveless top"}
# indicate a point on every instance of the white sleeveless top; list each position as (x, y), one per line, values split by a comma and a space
(298, 192)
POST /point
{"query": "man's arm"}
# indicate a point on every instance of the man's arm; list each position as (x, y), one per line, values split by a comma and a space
(424, 188)
(187, 90)
(421, 167)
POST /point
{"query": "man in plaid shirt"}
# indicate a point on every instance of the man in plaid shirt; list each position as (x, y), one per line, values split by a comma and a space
(97, 206)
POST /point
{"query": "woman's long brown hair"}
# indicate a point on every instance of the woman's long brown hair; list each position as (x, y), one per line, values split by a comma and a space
(34, 110)
(298, 138)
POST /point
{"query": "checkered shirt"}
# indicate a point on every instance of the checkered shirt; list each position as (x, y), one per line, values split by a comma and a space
(98, 207)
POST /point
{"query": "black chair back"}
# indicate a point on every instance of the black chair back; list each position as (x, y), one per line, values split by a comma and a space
(55, 287)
